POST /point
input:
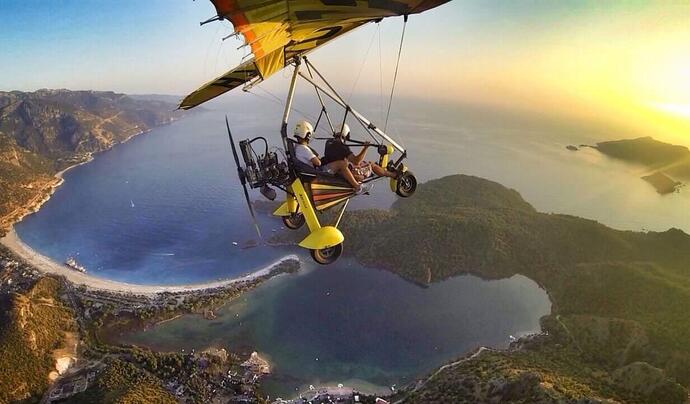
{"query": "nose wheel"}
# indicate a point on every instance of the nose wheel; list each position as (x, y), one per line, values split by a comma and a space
(294, 221)
(328, 255)
(406, 184)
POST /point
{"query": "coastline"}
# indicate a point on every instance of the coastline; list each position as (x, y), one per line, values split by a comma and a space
(59, 179)
(46, 265)
(8, 221)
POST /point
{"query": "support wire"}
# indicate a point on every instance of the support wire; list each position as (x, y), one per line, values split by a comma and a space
(395, 76)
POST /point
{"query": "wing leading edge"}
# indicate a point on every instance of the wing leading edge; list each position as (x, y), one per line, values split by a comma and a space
(280, 31)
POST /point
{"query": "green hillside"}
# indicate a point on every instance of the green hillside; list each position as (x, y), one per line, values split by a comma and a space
(671, 159)
(124, 383)
(34, 324)
(462, 224)
(45, 131)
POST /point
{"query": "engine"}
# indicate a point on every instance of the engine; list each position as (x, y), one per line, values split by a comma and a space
(262, 170)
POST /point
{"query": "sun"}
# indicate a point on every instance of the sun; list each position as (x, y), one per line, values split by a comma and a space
(680, 110)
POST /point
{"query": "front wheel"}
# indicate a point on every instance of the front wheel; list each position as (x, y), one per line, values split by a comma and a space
(294, 221)
(327, 256)
(406, 184)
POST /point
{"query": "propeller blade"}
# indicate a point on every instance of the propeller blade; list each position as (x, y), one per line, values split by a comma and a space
(243, 180)
(251, 211)
(240, 173)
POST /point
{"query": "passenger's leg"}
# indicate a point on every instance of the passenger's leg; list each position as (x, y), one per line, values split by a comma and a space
(342, 168)
(382, 172)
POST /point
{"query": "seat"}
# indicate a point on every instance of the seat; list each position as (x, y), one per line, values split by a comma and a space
(307, 172)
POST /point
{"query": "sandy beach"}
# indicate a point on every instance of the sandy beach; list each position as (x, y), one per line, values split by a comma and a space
(48, 266)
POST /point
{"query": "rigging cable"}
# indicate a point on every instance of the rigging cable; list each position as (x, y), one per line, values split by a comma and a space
(276, 100)
(380, 76)
(395, 76)
(364, 61)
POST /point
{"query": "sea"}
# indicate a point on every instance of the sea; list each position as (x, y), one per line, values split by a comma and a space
(167, 208)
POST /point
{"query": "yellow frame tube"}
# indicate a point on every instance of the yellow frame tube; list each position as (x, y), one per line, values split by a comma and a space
(288, 207)
(306, 206)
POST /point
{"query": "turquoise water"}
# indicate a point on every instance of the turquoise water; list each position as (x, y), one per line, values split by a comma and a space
(349, 324)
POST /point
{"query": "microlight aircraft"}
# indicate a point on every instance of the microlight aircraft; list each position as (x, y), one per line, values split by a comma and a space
(280, 35)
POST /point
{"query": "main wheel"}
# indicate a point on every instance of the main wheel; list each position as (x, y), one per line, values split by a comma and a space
(294, 221)
(406, 184)
(327, 256)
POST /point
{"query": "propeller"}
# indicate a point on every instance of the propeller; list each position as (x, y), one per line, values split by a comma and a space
(243, 179)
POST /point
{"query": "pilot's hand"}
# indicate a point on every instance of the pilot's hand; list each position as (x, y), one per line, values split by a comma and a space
(367, 144)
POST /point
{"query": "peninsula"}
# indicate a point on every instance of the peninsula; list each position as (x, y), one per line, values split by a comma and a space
(619, 326)
(665, 162)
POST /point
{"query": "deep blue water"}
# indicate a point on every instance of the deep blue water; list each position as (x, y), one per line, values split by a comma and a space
(163, 208)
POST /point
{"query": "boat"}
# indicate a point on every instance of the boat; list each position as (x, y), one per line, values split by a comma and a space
(72, 263)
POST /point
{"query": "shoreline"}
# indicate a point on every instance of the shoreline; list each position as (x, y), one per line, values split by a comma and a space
(48, 266)
(59, 179)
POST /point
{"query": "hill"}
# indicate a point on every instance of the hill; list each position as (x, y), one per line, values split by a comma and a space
(36, 337)
(602, 282)
(46, 131)
(651, 153)
(667, 161)
(123, 382)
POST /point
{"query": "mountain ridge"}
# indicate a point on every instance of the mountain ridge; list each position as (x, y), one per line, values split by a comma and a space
(46, 131)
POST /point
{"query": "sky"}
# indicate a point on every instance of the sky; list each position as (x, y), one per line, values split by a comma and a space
(623, 62)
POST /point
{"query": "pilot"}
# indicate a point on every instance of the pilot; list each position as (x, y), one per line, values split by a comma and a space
(337, 150)
(306, 155)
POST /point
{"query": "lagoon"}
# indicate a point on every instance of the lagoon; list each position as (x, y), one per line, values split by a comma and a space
(361, 327)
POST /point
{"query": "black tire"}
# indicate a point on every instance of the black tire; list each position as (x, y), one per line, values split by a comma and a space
(406, 184)
(327, 255)
(294, 221)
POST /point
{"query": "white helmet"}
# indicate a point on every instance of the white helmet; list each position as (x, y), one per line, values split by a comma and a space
(345, 133)
(303, 130)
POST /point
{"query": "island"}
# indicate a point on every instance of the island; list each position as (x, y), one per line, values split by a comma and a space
(663, 183)
(665, 161)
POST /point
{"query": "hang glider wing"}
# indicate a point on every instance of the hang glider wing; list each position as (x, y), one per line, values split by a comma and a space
(236, 77)
(280, 31)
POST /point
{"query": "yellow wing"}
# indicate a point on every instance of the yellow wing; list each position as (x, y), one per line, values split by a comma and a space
(280, 31)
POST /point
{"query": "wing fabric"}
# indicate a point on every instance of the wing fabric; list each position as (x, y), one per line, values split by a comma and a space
(280, 31)
(236, 77)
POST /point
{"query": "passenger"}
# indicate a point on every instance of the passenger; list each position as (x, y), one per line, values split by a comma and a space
(307, 155)
(337, 150)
